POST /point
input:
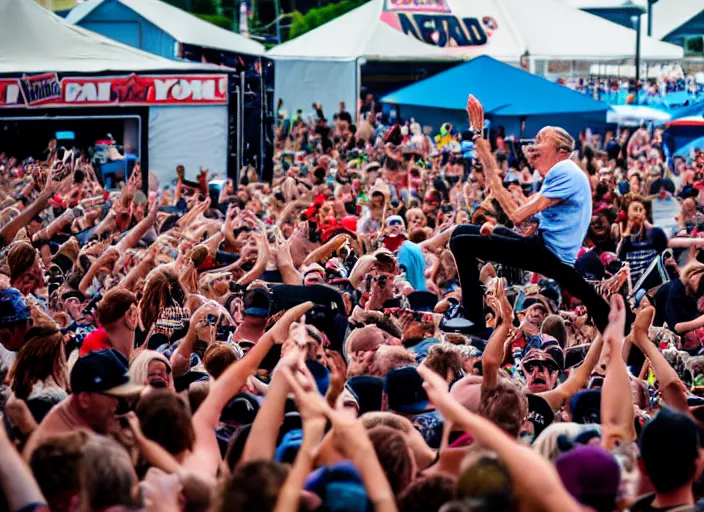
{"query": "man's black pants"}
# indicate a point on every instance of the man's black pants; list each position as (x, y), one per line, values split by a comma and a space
(527, 253)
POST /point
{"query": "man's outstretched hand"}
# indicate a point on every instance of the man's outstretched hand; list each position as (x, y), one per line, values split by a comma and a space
(475, 110)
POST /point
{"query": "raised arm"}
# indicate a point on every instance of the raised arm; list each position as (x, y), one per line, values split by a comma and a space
(16, 479)
(107, 259)
(324, 251)
(673, 390)
(535, 479)
(261, 443)
(54, 227)
(312, 408)
(9, 230)
(284, 262)
(205, 457)
(136, 233)
(516, 212)
(685, 327)
(616, 400)
(261, 263)
(494, 352)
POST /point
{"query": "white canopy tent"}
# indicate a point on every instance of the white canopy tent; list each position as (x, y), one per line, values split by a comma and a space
(33, 40)
(607, 4)
(324, 65)
(634, 115)
(182, 26)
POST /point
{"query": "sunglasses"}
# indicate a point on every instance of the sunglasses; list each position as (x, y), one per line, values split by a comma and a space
(394, 222)
(540, 365)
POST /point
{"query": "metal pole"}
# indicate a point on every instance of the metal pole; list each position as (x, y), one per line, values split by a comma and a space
(637, 57)
(650, 17)
(277, 4)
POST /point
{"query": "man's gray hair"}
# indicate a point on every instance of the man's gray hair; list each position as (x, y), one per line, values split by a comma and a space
(563, 139)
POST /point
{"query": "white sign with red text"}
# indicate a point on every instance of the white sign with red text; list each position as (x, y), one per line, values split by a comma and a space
(122, 90)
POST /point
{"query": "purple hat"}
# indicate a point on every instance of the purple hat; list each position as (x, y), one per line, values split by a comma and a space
(590, 474)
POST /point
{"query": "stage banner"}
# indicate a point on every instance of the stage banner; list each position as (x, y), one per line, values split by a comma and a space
(433, 22)
(417, 5)
(48, 90)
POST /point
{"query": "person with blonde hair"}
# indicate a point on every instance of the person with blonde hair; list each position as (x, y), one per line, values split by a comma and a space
(152, 368)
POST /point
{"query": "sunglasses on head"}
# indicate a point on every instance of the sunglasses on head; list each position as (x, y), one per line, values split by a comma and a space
(540, 365)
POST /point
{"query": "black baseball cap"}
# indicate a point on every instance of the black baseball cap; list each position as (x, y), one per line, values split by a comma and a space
(404, 389)
(368, 390)
(103, 371)
(421, 300)
(257, 302)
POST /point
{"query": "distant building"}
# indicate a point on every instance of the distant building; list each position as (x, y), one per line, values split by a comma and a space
(157, 27)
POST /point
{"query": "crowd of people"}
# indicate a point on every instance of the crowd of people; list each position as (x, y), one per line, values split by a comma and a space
(654, 91)
(395, 322)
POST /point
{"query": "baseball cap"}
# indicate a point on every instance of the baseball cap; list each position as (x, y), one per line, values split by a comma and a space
(368, 391)
(320, 374)
(421, 300)
(590, 474)
(537, 355)
(340, 487)
(395, 220)
(13, 306)
(404, 389)
(548, 344)
(257, 302)
(103, 371)
(585, 406)
(241, 410)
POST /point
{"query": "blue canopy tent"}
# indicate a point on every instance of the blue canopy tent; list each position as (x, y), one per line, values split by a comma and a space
(509, 95)
(687, 149)
(680, 131)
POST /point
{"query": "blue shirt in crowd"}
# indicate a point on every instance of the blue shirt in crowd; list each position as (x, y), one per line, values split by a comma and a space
(565, 224)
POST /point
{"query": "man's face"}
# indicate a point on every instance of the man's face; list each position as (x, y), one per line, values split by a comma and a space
(544, 158)
(314, 275)
(430, 204)
(416, 220)
(535, 314)
(74, 308)
(158, 374)
(377, 200)
(540, 377)
(395, 228)
(98, 410)
(599, 225)
(32, 279)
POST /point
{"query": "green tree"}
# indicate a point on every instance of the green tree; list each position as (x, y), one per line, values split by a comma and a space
(204, 7)
(300, 24)
(216, 19)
